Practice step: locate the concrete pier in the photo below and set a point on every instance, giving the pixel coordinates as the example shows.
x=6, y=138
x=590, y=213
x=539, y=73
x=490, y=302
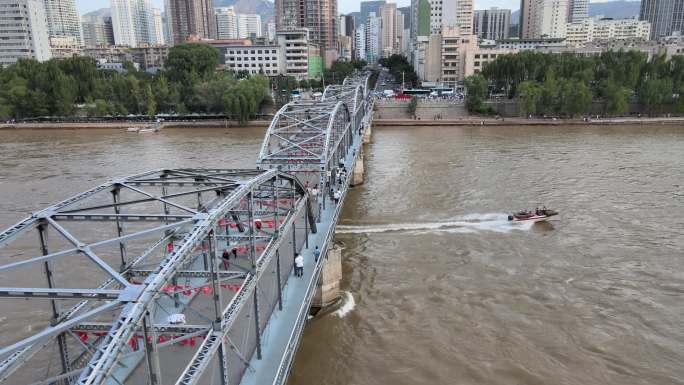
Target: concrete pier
x=328, y=288
x=358, y=171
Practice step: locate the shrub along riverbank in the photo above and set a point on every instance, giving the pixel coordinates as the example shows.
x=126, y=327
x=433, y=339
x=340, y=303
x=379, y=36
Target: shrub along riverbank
x=567, y=84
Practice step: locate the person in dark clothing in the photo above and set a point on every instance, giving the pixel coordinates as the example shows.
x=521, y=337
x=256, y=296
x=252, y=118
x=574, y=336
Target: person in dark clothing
x=226, y=258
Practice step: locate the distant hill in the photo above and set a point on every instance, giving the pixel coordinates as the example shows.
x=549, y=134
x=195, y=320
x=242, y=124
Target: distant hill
x=265, y=8
x=102, y=12
x=615, y=9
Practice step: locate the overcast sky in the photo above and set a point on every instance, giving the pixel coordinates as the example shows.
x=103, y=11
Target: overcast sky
x=345, y=6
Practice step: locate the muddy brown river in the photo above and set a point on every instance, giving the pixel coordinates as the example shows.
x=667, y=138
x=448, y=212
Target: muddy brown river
x=439, y=287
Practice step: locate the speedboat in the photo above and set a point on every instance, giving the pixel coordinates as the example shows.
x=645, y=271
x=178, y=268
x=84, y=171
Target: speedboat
x=532, y=216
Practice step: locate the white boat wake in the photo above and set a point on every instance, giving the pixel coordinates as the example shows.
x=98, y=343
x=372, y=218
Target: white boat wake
x=347, y=306
x=470, y=223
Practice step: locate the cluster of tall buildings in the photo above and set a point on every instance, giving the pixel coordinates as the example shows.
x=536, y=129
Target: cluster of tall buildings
x=43, y=29
x=445, y=40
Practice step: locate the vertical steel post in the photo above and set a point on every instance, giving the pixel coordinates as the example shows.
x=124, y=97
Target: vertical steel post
x=151, y=353
x=306, y=228
x=280, y=287
x=214, y=269
x=218, y=303
x=276, y=236
x=252, y=254
x=119, y=226
x=61, y=338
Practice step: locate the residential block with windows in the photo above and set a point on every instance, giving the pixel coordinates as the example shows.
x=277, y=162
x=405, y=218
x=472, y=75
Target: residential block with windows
x=256, y=59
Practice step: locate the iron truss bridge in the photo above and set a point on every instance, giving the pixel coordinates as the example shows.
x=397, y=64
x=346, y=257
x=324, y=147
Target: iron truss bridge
x=182, y=276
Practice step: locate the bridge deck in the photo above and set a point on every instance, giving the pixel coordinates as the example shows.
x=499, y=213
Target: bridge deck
x=282, y=329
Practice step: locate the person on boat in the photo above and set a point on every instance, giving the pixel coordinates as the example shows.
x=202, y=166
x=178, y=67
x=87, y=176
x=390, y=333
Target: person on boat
x=536, y=211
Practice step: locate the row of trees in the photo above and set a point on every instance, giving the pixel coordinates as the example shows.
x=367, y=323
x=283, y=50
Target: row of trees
x=189, y=83
x=568, y=84
x=401, y=70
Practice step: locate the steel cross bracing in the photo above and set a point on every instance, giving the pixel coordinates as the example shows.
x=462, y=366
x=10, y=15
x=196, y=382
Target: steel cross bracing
x=156, y=240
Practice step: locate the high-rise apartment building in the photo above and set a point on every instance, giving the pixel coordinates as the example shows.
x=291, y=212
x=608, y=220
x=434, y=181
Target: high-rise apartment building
x=372, y=37
x=97, y=31
x=226, y=23
x=430, y=16
x=578, y=10
x=400, y=42
x=248, y=25
x=186, y=18
x=492, y=24
x=23, y=31
x=527, y=19
x=63, y=19
x=133, y=22
x=665, y=16
x=360, y=43
x=551, y=18
x=543, y=18
x=388, y=29
x=318, y=16
x=158, y=26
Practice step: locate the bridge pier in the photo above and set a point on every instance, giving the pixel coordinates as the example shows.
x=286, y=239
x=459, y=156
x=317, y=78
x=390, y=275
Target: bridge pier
x=328, y=288
x=358, y=171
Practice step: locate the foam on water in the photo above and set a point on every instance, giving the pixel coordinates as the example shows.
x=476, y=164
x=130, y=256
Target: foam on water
x=470, y=223
x=347, y=306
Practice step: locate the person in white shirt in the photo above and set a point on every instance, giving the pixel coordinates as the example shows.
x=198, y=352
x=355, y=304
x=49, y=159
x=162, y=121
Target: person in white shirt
x=299, y=265
x=336, y=196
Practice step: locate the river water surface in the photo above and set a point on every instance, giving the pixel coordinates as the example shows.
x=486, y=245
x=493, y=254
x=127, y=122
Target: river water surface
x=440, y=288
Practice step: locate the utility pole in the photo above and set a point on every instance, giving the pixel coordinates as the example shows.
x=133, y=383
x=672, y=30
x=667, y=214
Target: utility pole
x=402, y=81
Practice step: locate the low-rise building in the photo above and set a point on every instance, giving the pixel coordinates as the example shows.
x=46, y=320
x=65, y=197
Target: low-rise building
x=64, y=47
x=256, y=59
x=523, y=44
x=149, y=58
x=302, y=58
x=478, y=58
x=588, y=30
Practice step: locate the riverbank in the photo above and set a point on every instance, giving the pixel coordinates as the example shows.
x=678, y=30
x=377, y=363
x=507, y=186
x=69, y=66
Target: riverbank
x=125, y=125
x=481, y=121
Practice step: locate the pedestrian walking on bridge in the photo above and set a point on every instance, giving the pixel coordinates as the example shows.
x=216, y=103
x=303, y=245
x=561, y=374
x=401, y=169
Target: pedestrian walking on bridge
x=299, y=265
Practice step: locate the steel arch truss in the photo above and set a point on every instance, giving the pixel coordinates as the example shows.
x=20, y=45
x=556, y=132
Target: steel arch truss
x=178, y=255
x=305, y=136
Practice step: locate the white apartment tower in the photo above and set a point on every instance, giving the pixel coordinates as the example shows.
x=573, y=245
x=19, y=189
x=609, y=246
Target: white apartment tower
x=578, y=10
x=158, y=26
x=360, y=42
x=451, y=13
x=23, y=31
x=372, y=38
x=63, y=19
x=133, y=22
x=226, y=23
x=551, y=17
x=248, y=25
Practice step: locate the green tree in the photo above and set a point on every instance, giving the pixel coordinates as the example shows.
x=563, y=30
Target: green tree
x=654, y=93
x=575, y=97
x=476, y=88
x=615, y=98
x=187, y=62
x=529, y=97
